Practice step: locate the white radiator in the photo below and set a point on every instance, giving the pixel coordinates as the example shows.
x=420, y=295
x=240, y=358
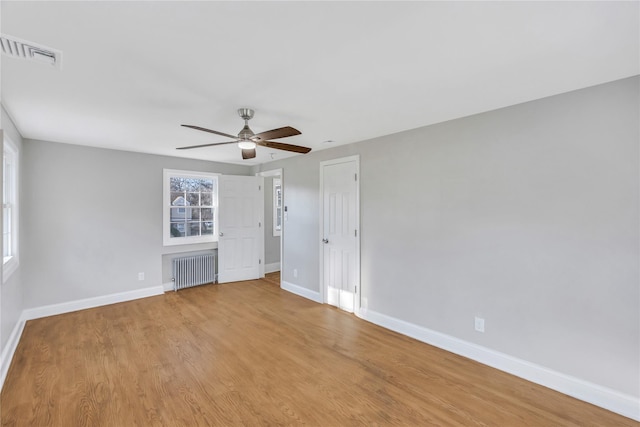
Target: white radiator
x=193, y=271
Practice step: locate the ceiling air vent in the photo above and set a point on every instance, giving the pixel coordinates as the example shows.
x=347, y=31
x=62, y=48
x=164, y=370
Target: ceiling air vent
x=16, y=48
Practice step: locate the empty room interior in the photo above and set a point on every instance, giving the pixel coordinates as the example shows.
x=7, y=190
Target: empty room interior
x=320, y=213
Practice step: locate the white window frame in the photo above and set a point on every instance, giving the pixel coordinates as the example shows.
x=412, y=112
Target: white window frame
x=277, y=182
x=167, y=240
x=11, y=261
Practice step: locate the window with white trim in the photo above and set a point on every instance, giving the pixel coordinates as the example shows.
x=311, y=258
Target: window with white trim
x=9, y=209
x=277, y=207
x=190, y=207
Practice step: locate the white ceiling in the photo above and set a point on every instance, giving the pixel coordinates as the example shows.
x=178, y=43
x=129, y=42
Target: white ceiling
x=132, y=72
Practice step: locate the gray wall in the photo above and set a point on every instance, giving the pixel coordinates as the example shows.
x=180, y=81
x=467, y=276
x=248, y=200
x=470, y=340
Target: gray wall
x=95, y=220
x=11, y=297
x=526, y=216
x=271, y=243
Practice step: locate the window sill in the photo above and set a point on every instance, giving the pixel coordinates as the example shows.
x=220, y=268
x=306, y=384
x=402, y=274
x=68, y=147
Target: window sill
x=9, y=266
x=189, y=241
x=178, y=249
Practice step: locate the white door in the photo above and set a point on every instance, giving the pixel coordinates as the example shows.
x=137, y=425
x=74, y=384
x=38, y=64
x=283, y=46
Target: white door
x=340, y=242
x=240, y=201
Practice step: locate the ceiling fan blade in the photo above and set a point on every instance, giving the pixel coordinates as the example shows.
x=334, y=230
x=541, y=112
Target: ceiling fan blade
x=276, y=133
x=248, y=153
x=283, y=146
x=206, y=145
x=210, y=131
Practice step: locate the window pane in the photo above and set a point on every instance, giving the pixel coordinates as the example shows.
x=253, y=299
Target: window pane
x=6, y=219
x=207, y=228
x=9, y=232
x=6, y=197
x=177, y=229
x=192, y=184
x=206, y=185
x=207, y=214
x=278, y=219
x=177, y=198
x=179, y=214
x=278, y=193
x=177, y=184
x=195, y=214
x=193, y=199
x=7, y=249
x=206, y=199
x=277, y=206
x=7, y=246
x=193, y=228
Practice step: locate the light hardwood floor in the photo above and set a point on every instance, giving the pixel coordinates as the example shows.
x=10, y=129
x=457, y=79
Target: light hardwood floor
x=251, y=354
x=273, y=278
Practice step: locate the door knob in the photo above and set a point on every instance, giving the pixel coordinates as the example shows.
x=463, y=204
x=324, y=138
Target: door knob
x=325, y=241
x=221, y=234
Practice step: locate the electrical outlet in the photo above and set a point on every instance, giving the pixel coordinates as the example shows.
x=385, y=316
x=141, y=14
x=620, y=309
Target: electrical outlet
x=295, y=272
x=479, y=324
x=140, y=276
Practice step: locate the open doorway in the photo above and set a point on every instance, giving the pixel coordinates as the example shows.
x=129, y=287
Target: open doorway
x=273, y=224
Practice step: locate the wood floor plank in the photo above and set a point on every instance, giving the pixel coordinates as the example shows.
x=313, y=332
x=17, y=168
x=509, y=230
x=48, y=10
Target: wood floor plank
x=249, y=353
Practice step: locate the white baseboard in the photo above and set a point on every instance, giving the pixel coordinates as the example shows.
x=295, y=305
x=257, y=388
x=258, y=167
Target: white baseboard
x=299, y=290
x=9, y=350
x=168, y=287
x=620, y=403
x=272, y=268
x=82, y=304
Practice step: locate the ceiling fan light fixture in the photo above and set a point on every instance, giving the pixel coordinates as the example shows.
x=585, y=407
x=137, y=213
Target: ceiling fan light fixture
x=247, y=140
x=247, y=145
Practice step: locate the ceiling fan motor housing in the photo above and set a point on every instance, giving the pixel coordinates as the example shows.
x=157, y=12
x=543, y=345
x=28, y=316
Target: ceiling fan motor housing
x=246, y=133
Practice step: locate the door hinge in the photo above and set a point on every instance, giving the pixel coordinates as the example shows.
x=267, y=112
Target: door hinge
x=259, y=224
x=356, y=289
x=259, y=261
x=356, y=176
x=355, y=233
x=259, y=187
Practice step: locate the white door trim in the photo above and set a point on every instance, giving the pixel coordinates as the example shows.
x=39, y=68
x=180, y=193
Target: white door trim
x=323, y=290
x=272, y=173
